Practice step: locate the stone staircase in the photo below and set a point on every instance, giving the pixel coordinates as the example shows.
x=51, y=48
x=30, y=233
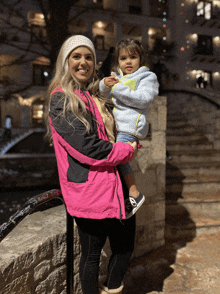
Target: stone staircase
x=192, y=182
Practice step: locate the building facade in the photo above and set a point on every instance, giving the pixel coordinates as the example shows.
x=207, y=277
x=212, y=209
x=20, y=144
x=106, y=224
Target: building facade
x=182, y=37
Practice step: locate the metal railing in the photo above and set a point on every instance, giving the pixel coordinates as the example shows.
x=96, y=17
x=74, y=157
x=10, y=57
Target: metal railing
x=27, y=209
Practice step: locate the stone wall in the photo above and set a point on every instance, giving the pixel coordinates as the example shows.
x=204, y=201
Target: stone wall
x=33, y=255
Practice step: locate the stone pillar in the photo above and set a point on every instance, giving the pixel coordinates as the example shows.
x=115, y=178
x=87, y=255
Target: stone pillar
x=146, y=7
x=89, y=24
x=118, y=31
x=25, y=121
x=149, y=168
x=145, y=35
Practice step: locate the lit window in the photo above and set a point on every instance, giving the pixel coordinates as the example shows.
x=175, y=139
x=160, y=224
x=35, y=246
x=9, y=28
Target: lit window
x=204, y=9
x=37, y=25
x=135, y=9
x=99, y=42
x=41, y=71
x=203, y=78
x=38, y=111
x=97, y=2
x=9, y=69
x=36, y=18
x=38, y=34
x=41, y=75
x=204, y=45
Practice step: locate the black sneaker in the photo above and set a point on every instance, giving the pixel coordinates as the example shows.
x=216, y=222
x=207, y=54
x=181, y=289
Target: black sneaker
x=132, y=204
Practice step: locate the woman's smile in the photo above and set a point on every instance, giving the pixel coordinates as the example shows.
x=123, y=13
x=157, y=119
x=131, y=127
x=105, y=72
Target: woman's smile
x=81, y=64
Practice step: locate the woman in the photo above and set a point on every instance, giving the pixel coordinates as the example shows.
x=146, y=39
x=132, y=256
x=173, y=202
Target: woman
x=87, y=165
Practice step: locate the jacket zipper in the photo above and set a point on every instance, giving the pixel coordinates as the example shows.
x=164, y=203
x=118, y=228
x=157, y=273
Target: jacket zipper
x=120, y=218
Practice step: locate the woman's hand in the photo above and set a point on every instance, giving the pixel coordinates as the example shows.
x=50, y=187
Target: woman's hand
x=135, y=146
x=110, y=81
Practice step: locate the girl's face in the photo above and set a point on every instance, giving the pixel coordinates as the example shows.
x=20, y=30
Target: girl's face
x=81, y=64
x=128, y=61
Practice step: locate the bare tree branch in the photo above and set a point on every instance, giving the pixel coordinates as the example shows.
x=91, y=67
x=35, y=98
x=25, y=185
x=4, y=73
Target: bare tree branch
x=17, y=34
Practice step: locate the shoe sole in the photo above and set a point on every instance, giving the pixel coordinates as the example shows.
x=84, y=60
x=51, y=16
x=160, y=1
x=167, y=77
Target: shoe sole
x=136, y=208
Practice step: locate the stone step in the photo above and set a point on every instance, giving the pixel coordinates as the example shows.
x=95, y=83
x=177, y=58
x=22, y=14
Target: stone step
x=196, y=212
x=197, y=203
x=189, y=168
x=177, y=123
x=181, y=131
x=183, y=170
x=176, y=117
x=186, y=139
x=190, y=180
x=192, y=157
x=191, y=228
x=193, y=184
x=201, y=144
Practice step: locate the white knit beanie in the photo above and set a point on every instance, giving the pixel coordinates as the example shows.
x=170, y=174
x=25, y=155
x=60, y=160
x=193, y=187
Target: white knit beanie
x=77, y=41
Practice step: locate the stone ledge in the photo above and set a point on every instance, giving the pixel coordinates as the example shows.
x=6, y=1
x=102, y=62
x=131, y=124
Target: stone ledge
x=37, y=248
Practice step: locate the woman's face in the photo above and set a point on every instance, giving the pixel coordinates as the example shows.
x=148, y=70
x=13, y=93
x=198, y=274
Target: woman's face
x=81, y=64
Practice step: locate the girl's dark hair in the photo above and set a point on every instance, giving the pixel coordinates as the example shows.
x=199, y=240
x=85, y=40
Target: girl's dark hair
x=131, y=45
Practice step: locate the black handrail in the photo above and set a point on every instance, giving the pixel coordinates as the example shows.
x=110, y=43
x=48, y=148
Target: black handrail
x=27, y=209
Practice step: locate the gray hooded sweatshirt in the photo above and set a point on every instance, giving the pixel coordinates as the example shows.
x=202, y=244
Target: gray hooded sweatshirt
x=132, y=97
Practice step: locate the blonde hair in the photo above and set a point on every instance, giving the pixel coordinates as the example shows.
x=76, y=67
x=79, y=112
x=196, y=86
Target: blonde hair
x=69, y=84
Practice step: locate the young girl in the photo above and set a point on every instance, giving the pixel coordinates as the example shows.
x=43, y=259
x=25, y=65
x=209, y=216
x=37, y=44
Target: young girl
x=132, y=88
x=91, y=186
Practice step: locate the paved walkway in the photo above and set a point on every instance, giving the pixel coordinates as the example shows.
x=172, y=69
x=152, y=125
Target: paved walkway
x=178, y=268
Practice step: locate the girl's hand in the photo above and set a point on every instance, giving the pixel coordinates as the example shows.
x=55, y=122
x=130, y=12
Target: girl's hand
x=110, y=81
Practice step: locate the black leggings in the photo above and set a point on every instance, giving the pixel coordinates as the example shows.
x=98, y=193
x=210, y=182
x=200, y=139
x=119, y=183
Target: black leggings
x=93, y=235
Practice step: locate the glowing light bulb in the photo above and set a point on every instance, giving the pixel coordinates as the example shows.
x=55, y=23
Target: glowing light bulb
x=100, y=24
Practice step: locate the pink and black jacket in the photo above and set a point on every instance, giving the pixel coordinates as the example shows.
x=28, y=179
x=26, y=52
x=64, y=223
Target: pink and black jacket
x=87, y=162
